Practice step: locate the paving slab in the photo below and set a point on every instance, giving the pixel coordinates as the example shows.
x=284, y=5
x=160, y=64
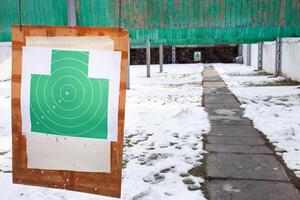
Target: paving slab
x=224, y=112
x=220, y=99
x=251, y=190
x=235, y=140
x=215, y=91
x=210, y=72
x=220, y=105
x=229, y=119
x=218, y=84
x=229, y=148
x=234, y=130
x=212, y=79
x=234, y=117
x=244, y=166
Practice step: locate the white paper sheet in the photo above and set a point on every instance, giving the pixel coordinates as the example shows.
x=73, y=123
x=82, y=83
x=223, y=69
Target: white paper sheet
x=102, y=64
x=75, y=154
x=111, y=72
x=80, y=42
x=69, y=153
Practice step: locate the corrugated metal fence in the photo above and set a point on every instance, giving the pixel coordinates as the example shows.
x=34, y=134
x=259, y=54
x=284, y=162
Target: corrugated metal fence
x=35, y=12
x=168, y=21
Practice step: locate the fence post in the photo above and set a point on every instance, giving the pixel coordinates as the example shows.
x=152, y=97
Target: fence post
x=148, y=56
x=240, y=50
x=72, y=20
x=161, y=58
x=260, y=55
x=173, y=54
x=278, y=56
x=248, y=63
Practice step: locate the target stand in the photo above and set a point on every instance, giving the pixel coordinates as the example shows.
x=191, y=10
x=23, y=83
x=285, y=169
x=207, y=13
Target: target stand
x=71, y=97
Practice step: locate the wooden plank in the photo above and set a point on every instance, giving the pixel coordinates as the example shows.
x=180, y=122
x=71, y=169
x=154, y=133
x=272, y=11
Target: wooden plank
x=108, y=184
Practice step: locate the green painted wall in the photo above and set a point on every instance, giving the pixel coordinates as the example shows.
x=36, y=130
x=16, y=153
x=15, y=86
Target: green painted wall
x=190, y=21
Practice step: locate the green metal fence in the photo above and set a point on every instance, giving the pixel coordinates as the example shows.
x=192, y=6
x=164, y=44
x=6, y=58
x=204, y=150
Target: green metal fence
x=197, y=21
x=35, y=12
x=170, y=21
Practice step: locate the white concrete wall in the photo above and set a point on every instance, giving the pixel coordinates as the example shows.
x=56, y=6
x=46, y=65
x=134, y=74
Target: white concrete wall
x=254, y=55
x=5, y=60
x=269, y=55
x=291, y=58
x=290, y=67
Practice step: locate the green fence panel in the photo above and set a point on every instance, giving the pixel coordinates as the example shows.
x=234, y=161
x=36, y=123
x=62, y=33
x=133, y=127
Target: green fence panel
x=169, y=22
x=195, y=21
x=35, y=12
x=8, y=16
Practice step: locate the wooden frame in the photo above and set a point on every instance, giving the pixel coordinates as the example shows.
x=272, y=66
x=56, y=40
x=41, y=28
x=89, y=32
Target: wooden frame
x=108, y=184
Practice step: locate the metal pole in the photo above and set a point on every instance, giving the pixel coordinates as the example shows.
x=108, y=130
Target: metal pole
x=248, y=55
x=161, y=58
x=240, y=50
x=148, y=56
x=260, y=55
x=72, y=19
x=128, y=69
x=278, y=56
x=173, y=54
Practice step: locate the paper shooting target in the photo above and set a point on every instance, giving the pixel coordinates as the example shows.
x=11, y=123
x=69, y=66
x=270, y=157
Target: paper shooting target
x=68, y=102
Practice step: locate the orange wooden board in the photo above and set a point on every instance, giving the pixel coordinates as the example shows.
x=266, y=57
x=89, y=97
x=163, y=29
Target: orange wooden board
x=108, y=184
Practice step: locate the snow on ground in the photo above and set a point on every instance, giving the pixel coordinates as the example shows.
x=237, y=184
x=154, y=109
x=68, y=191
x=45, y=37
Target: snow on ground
x=236, y=75
x=163, y=139
x=275, y=110
x=5, y=128
x=5, y=60
x=163, y=133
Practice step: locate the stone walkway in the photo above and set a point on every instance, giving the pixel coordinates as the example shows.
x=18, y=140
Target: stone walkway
x=239, y=165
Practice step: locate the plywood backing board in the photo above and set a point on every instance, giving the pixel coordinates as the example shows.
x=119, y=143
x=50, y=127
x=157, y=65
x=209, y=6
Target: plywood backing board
x=108, y=184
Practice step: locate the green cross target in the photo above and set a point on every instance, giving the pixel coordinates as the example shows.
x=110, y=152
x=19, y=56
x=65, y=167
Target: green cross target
x=68, y=102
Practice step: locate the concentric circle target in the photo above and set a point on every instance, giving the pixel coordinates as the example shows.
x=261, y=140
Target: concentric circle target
x=68, y=102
